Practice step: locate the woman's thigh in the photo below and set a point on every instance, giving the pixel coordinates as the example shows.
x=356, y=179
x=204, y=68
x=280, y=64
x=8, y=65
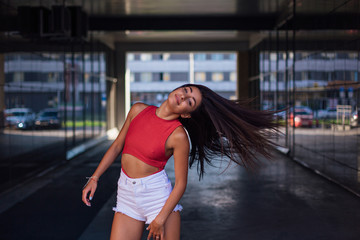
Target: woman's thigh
x=126, y=228
x=172, y=226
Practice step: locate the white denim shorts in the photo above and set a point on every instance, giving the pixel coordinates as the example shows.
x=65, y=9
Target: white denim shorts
x=143, y=198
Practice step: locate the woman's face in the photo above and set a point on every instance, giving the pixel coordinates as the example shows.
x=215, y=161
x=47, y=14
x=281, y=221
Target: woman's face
x=185, y=100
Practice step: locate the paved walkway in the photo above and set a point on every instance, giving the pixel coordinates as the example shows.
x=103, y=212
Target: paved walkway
x=282, y=201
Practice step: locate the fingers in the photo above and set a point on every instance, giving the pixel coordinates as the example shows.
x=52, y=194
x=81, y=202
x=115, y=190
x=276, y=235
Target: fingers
x=88, y=188
x=92, y=193
x=84, y=199
x=155, y=235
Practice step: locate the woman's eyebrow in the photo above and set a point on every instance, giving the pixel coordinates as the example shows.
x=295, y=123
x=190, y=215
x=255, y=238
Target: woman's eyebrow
x=190, y=89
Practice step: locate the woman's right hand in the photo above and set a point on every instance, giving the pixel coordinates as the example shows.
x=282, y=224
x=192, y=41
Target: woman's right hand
x=90, y=187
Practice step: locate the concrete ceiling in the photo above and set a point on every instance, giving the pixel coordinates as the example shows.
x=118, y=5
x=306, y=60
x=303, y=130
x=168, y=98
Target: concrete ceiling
x=114, y=21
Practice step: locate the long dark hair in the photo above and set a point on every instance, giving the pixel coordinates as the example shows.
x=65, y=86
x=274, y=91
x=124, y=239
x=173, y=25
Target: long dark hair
x=223, y=127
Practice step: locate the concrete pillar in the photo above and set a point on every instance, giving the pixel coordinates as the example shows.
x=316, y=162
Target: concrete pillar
x=254, y=78
x=120, y=102
x=110, y=90
x=242, y=91
x=2, y=92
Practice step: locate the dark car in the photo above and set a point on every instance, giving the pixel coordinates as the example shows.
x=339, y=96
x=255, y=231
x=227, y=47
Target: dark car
x=48, y=118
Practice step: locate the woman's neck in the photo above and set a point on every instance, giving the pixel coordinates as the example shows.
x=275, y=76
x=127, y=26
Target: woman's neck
x=165, y=112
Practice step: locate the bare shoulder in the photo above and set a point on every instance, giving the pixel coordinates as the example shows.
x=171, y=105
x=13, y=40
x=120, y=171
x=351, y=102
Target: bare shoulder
x=179, y=136
x=136, y=109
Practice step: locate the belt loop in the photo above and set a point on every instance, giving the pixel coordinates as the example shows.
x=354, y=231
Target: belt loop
x=143, y=184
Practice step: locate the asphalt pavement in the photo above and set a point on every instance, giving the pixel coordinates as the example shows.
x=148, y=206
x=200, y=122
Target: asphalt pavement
x=282, y=201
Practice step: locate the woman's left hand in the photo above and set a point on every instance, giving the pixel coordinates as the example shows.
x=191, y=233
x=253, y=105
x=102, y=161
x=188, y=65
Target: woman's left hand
x=156, y=231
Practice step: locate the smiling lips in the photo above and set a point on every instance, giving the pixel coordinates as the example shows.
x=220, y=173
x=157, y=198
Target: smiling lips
x=177, y=99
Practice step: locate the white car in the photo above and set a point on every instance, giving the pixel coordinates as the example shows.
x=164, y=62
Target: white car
x=21, y=118
x=329, y=113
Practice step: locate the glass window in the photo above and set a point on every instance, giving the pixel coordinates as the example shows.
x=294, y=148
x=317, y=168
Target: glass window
x=166, y=77
x=166, y=56
x=130, y=57
x=273, y=56
x=132, y=77
x=18, y=76
x=232, y=56
x=217, y=77
x=145, y=77
x=145, y=57
x=217, y=56
x=233, y=76
x=200, y=56
x=200, y=77
x=353, y=55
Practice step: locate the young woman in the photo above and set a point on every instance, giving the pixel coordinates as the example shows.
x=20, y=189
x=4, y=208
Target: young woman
x=150, y=135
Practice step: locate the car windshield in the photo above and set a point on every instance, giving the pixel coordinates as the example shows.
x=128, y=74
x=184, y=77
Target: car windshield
x=301, y=113
x=49, y=114
x=18, y=114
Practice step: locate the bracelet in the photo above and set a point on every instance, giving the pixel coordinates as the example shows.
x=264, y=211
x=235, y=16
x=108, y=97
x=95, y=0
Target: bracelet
x=94, y=178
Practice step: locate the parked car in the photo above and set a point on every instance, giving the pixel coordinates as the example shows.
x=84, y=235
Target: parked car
x=48, y=118
x=329, y=113
x=303, y=117
x=280, y=115
x=20, y=118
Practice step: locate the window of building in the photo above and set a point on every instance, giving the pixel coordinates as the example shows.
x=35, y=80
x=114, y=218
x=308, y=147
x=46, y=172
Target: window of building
x=18, y=76
x=165, y=77
x=200, y=56
x=179, y=76
x=179, y=56
x=130, y=57
x=273, y=76
x=330, y=55
x=166, y=56
x=145, y=77
x=200, y=77
x=132, y=77
x=273, y=56
x=145, y=57
x=353, y=55
x=217, y=56
x=341, y=55
x=53, y=77
x=233, y=76
x=232, y=56
x=217, y=76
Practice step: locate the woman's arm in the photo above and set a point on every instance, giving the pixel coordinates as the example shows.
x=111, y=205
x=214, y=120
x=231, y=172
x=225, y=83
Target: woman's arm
x=111, y=154
x=179, y=142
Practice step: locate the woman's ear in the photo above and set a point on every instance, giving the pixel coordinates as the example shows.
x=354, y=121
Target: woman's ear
x=186, y=115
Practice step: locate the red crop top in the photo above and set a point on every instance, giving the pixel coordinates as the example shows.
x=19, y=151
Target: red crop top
x=147, y=135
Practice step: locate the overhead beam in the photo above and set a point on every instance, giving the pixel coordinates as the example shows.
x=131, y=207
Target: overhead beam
x=183, y=46
x=333, y=21
x=312, y=45
x=340, y=21
x=122, y=23
x=217, y=22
